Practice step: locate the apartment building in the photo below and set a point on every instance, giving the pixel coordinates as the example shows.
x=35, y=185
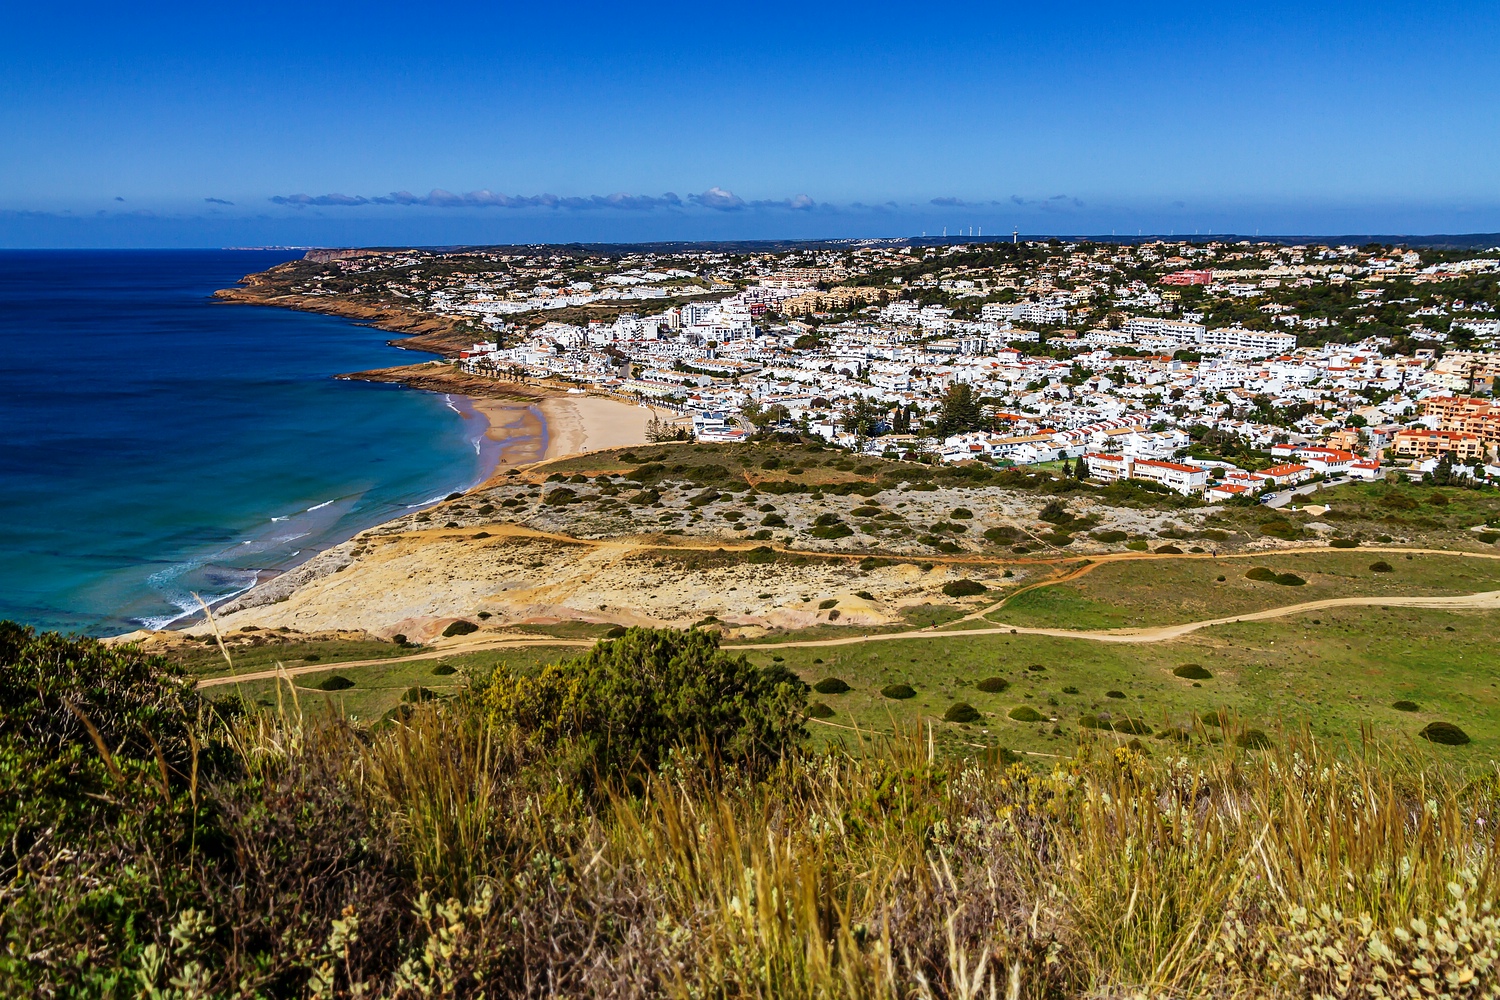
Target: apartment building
x=1420, y=444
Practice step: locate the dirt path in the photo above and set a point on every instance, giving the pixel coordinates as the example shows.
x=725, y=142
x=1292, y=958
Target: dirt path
x=1485, y=601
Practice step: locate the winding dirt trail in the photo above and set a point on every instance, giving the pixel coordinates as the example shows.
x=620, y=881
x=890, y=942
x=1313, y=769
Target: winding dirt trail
x=1484, y=601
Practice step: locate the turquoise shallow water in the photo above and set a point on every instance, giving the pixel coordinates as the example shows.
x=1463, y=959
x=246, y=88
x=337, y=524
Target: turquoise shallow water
x=157, y=443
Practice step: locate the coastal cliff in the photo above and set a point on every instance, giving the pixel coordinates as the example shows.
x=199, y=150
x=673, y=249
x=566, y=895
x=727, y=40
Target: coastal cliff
x=419, y=330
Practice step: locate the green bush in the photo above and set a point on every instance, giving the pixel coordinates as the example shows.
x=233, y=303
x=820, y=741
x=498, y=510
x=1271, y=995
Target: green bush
x=830, y=602
x=898, y=691
x=1025, y=713
x=1382, y=567
x=1110, y=537
x=1130, y=727
x=773, y=521
x=1261, y=574
x=1289, y=580
x=1489, y=537
x=1253, y=739
x=444, y=670
x=818, y=710
x=1169, y=550
x=560, y=496
x=961, y=513
x=760, y=555
x=830, y=531
x=1088, y=720
x=1070, y=689
x=961, y=711
x=1137, y=545
x=1114, y=694
x=615, y=632
x=335, y=682
x=1213, y=719
x=993, y=685
x=1002, y=535
x=628, y=701
x=459, y=627
x=831, y=685
x=1344, y=543
x=1444, y=733
x=417, y=694
x=1405, y=706
x=963, y=588
x=1193, y=672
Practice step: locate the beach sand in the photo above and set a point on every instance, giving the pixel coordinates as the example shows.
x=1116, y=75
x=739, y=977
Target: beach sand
x=576, y=424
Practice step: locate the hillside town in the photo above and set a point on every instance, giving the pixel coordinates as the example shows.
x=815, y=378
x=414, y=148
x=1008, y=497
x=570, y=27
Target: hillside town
x=1214, y=368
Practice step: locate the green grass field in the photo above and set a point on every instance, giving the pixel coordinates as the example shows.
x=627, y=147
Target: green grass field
x=1334, y=671
x=1132, y=593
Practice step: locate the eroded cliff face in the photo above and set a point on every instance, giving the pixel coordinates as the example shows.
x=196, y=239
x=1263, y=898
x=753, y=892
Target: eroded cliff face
x=421, y=331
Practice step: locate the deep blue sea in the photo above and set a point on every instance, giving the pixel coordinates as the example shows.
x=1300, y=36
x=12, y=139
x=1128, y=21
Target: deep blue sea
x=155, y=443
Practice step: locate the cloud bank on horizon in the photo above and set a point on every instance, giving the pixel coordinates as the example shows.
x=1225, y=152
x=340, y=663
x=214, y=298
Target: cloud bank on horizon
x=714, y=198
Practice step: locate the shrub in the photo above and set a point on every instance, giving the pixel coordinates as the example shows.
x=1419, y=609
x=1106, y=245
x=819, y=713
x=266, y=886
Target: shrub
x=963, y=588
x=444, y=670
x=1444, y=733
x=335, y=682
x=1137, y=545
x=898, y=691
x=1261, y=574
x=1059, y=538
x=1110, y=537
x=615, y=632
x=864, y=595
x=628, y=701
x=825, y=605
x=1089, y=720
x=1070, y=689
x=1382, y=567
x=961, y=711
x=773, y=521
x=459, y=627
x=961, y=513
x=1002, y=535
x=1035, y=668
x=560, y=496
x=1489, y=537
x=1025, y=713
x=830, y=685
x=1405, y=706
x=1130, y=727
x=830, y=531
x=1114, y=694
x=818, y=710
x=833, y=615
x=1213, y=719
x=760, y=555
x=1289, y=580
x=1343, y=543
x=1169, y=550
x=417, y=694
x=399, y=639
x=993, y=685
x=1193, y=672
x=1253, y=739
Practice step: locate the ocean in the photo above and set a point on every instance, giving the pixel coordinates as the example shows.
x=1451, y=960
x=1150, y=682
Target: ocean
x=157, y=443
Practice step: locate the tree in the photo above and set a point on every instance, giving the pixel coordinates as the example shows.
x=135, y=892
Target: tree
x=628, y=702
x=960, y=411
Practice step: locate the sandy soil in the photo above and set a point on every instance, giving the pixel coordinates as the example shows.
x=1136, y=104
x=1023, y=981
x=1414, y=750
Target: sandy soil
x=416, y=583
x=577, y=424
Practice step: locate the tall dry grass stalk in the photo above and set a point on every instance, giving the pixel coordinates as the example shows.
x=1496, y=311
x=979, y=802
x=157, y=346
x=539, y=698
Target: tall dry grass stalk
x=1300, y=870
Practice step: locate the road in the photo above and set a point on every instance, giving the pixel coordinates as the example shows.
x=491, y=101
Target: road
x=1484, y=601
x=1284, y=497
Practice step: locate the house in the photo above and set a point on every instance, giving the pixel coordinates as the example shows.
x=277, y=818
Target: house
x=1284, y=475
x=1184, y=479
x=1367, y=469
x=1422, y=444
x=1226, y=491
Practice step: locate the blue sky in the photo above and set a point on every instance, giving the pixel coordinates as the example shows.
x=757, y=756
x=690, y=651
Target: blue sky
x=162, y=124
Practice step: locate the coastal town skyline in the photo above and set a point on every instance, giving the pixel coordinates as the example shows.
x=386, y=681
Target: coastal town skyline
x=166, y=127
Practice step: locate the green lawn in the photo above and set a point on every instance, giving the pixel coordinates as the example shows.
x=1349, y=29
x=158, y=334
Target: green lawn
x=1169, y=591
x=1333, y=671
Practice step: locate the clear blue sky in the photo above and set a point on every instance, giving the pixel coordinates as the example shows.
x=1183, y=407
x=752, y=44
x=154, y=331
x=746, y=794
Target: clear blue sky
x=336, y=123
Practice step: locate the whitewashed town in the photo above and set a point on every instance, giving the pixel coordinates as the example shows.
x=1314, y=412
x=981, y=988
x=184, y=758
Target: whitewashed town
x=1224, y=369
